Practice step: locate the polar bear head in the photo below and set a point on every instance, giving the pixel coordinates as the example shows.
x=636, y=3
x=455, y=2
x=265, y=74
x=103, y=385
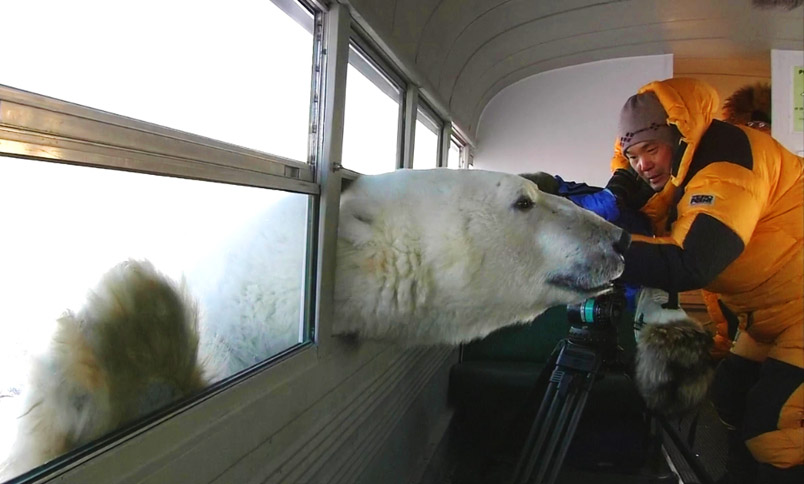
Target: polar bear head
x=446, y=256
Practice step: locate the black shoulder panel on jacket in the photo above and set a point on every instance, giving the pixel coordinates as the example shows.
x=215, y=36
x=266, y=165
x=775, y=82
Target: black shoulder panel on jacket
x=721, y=142
x=709, y=247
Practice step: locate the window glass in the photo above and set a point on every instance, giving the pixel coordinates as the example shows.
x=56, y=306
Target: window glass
x=454, y=154
x=242, y=252
x=371, y=118
x=208, y=68
x=425, y=150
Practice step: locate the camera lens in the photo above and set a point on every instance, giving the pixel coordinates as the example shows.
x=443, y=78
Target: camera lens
x=600, y=310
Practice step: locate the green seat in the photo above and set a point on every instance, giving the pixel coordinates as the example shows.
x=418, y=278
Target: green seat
x=501, y=370
x=534, y=341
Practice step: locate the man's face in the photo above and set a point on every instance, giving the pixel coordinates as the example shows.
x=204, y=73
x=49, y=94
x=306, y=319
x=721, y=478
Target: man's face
x=652, y=160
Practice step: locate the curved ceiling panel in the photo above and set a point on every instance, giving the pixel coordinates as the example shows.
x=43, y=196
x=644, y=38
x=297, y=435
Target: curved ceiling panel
x=446, y=24
x=469, y=50
x=496, y=26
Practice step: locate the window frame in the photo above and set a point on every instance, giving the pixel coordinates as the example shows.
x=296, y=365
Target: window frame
x=292, y=8
x=465, y=147
x=375, y=67
x=40, y=128
x=47, y=129
x=430, y=118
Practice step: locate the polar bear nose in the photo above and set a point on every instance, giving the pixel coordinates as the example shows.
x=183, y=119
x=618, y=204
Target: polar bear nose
x=623, y=242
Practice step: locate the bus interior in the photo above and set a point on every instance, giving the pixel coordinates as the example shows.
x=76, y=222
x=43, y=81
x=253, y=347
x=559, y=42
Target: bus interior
x=158, y=129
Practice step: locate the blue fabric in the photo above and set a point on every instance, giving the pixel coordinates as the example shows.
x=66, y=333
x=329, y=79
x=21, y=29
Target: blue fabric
x=598, y=200
x=631, y=293
x=602, y=202
x=570, y=188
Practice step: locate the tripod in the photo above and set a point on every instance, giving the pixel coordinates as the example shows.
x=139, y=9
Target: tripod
x=577, y=360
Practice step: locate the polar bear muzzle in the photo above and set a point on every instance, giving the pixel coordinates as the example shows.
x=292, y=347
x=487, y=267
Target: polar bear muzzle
x=586, y=278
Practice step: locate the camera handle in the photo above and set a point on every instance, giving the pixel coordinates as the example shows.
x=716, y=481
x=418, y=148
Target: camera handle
x=576, y=368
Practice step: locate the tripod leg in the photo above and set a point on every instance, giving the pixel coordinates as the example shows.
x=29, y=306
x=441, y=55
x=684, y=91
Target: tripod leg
x=538, y=433
x=538, y=429
x=549, y=461
x=570, y=433
x=566, y=396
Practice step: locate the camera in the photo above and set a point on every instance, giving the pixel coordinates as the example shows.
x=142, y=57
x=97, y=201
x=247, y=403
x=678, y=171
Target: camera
x=592, y=321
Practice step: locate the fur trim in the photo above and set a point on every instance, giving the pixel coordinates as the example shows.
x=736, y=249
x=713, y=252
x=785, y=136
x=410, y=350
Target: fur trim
x=673, y=366
x=749, y=103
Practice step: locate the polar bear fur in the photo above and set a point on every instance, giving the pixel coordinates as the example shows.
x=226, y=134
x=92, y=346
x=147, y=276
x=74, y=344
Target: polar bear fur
x=423, y=257
x=250, y=295
x=446, y=256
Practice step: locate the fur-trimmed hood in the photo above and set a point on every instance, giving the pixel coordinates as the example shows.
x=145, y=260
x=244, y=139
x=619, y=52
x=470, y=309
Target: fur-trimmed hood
x=691, y=106
x=749, y=103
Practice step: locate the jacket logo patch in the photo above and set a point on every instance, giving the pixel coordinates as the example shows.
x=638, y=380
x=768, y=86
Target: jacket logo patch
x=702, y=200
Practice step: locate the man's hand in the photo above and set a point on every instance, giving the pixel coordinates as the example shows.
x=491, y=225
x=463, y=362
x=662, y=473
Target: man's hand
x=545, y=181
x=629, y=189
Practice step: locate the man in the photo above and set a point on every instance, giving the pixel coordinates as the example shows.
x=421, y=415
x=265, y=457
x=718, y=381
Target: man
x=726, y=207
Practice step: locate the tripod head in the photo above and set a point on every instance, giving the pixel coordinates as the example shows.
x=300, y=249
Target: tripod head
x=593, y=321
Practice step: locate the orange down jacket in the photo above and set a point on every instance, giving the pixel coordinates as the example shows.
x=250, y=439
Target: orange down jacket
x=744, y=180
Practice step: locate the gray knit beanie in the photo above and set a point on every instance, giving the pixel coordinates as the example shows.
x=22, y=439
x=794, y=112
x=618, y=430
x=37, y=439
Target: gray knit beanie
x=643, y=118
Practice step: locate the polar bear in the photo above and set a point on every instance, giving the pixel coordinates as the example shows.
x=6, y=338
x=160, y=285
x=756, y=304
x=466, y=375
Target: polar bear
x=423, y=258
x=443, y=256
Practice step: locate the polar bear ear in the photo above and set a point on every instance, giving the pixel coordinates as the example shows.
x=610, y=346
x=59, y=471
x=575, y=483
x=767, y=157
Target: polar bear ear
x=356, y=220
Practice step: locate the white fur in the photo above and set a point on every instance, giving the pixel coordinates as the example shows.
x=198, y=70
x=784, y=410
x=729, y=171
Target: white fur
x=251, y=295
x=443, y=256
x=423, y=257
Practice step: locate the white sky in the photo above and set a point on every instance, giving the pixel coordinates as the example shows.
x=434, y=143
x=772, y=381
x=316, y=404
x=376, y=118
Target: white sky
x=371, y=120
x=237, y=71
x=454, y=155
x=425, y=149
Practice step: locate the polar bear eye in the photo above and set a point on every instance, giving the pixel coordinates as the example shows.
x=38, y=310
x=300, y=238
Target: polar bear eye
x=523, y=203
